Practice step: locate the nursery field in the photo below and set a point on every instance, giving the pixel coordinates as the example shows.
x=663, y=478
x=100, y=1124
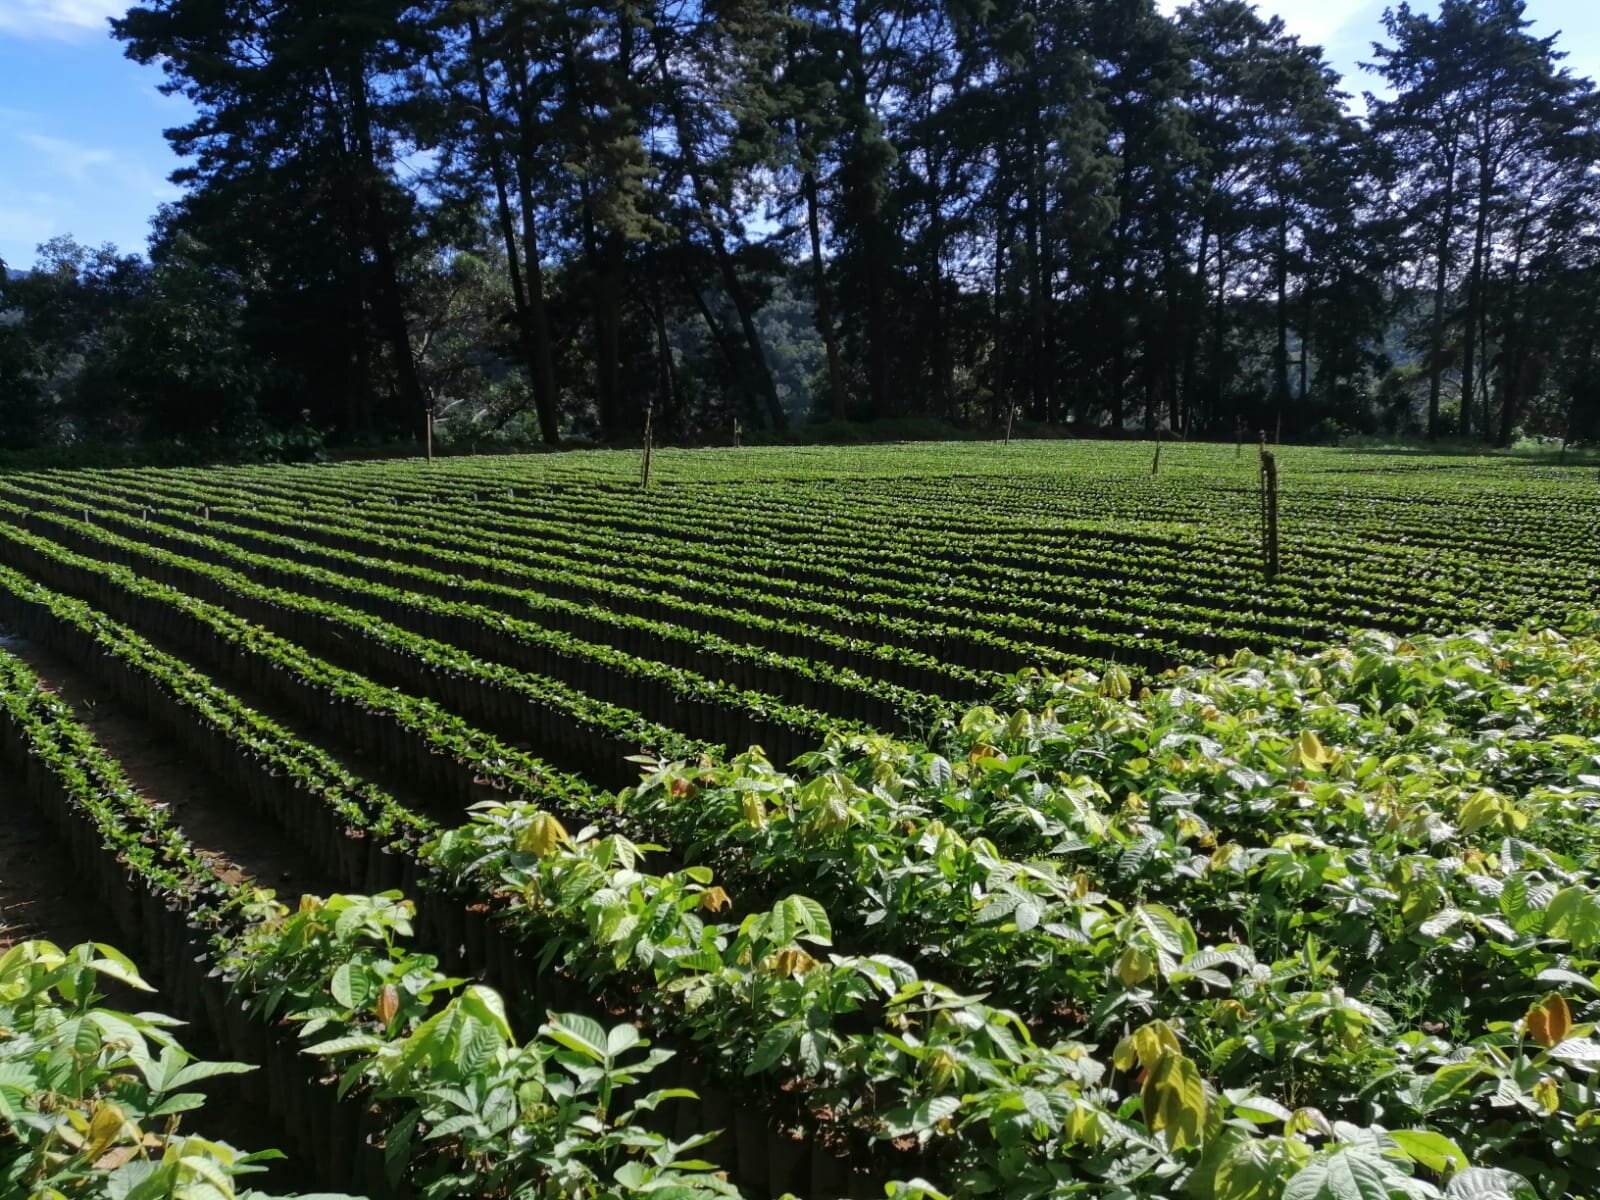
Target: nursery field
x=1080, y=857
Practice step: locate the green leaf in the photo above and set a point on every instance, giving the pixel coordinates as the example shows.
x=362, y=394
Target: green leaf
x=488, y=1006
x=1447, y=1081
x=1237, y=1166
x=923, y=1117
x=1489, y=1183
x=813, y=919
x=772, y=1047
x=578, y=1032
x=1432, y=1150
x=1037, y=1105
x=1558, y=975
x=1261, y=1110
x=1574, y=914
x=344, y=1045
x=1578, y=1051
x=621, y=1039
x=114, y=964
x=1340, y=1175
x=351, y=986
x=195, y=1072
x=1168, y=930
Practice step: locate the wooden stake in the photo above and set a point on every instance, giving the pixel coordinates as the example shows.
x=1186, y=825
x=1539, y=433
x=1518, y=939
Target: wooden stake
x=1011, y=413
x=429, y=432
x=1269, y=515
x=1238, y=437
x=1155, y=465
x=736, y=433
x=644, y=466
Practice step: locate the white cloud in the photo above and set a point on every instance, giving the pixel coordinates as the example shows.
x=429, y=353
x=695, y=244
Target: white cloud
x=57, y=18
x=68, y=158
x=25, y=221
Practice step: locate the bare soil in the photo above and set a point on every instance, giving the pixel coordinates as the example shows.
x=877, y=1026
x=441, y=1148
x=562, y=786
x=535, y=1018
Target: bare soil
x=240, y=844
x=39, y=898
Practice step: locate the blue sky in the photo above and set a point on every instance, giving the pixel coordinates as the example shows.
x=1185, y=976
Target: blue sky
x=81, y=150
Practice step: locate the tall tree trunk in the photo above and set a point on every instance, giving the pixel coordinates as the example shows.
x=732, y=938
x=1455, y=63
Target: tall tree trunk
x=1219, y=337
x=713, y=225
x=603, y=289
x=999, y=383
x=1512, y=354
x=1196, y=327
x=1483, y=343
x=745, y=307
x=719, y=335
x=1280, y=350
x=1038, y=369
x=874, y=248
x=533, y=332
x=604, y=316
x=1305, y=342
x=358, y=385
x=666, y=367
x=1174, y=334
x=1441, y=276
x=391, y=313
x=1474, y=304
x=837, y=409
x=1117, y=337
x=939, y=356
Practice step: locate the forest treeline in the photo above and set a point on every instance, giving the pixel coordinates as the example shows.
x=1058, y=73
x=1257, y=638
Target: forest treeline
x=547, y=220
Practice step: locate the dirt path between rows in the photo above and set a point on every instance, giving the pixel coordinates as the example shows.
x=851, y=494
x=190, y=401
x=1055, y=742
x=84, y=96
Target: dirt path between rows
x=240, y=844
x=39, y=898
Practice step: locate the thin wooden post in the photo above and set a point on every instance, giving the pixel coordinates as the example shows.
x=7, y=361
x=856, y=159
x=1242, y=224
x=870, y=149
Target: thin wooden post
x=736, y=442
x=1011, y=412
x=649, y=434
x=1155, y=463
x=428, y=428
x=1269, y=514
x=1238, y=437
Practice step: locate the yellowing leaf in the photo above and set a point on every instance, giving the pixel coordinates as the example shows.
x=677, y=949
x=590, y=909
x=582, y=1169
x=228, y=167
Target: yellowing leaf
x=1549, y=1021
x=104, y=1128
x=388, y=1003
x=1547, y=1094
x=1116, y=684
x=942, y=1067
x=790, y=962
x=1310, y=753
x=755, y=813
x=714, y=900
x=543, y=836
x=1134, y=966
x=1174, y=1101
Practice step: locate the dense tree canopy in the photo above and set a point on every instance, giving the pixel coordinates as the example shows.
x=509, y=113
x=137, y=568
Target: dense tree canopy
x=552, y=220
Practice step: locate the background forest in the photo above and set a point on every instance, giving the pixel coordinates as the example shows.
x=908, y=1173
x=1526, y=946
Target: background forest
x=543, y=219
